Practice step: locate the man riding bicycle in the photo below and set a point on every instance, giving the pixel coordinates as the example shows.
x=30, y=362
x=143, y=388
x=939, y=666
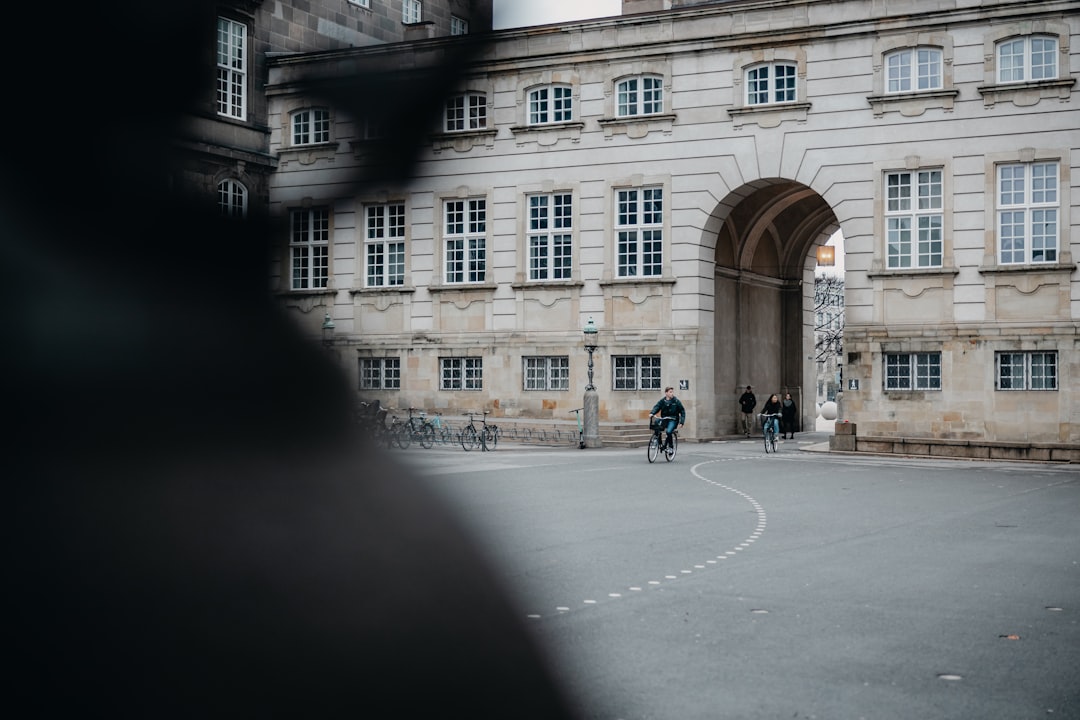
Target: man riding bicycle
x=671, y=409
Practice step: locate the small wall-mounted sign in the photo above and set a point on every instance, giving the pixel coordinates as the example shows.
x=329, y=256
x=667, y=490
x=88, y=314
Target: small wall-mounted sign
x=853, y=384
x=684, y=384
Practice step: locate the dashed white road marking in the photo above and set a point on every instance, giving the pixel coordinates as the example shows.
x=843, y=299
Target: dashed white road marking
x=759, y=530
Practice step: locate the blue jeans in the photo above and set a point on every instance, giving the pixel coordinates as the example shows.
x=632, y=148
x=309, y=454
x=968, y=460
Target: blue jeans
x=774, y=422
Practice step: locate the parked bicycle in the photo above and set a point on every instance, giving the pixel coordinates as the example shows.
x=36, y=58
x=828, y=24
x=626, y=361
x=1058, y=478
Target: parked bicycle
x=580, y=428
x=371, y=417
x=482, y=436
x=419, y=429
x=770, y=427
x=444, y=435
x=657, y=441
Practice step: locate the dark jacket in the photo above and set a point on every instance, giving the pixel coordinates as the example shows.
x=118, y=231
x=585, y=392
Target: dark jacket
x=790, y=414
x=771, y=408
x=748, y=401
x=670, y=408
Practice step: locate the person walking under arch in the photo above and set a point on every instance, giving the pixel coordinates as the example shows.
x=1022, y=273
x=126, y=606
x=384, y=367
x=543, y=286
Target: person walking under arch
x=671, y=409
x=789, y=416
x=747, y=403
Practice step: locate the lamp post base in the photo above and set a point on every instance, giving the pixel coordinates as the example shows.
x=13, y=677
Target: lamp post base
x=591, y=419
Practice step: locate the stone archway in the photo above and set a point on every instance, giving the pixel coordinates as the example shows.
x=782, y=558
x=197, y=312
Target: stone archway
x=767, y=232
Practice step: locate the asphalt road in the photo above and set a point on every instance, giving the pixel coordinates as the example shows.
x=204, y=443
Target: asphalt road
x=734, y=584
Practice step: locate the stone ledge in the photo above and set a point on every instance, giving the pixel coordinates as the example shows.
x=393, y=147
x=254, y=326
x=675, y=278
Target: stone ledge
x=962, y=449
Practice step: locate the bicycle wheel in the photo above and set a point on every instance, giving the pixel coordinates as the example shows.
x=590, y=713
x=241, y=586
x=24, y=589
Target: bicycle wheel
x=426, y=436
x=491, y=436
x=772, y=439
x=669, y=453
x=469, y=438
x=654, y=447
x=403, y=436
x=770, y=442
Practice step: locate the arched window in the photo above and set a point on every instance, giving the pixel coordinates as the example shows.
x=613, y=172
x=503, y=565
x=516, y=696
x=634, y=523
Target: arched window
x=641, y=95
x=771, y=83
x=1027, y=59
x=913, y=69
x=232, y=199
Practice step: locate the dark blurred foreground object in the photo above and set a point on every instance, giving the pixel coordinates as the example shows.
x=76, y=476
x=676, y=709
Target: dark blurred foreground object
x=190, y=529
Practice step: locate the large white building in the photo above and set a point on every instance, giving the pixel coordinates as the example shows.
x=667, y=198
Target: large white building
x=670, y=174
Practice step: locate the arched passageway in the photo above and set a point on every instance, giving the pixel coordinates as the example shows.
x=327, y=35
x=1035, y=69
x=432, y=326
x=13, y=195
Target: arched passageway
x=767, y=233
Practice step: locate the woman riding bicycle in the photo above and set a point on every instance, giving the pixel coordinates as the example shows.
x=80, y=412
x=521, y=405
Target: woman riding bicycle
x=671, y=409
x=773, y=408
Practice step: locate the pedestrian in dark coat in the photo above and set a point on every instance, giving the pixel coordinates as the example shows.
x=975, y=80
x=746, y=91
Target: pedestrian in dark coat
x=789, y=416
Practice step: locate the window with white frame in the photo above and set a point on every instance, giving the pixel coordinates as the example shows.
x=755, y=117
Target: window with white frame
x=380, y=373
x=465, y=241
x=232, y=198
x=771, y=83
x=551, y=104
x=231, y=69
x=550, y=239
x=458, y=26
x=466, y=112
x=1027, y=59
x=913, y=371
x=1027, y=213
x=912, y=69
x=310, y=127
x=384, y=245
x=642, y=95
x=309, y=248
x=1026, y=370
x=639, y=232
x=459, y=373
x=361, y=3
x=546, y=373
x=411, y=11
x=635, y=372
x=913, y=218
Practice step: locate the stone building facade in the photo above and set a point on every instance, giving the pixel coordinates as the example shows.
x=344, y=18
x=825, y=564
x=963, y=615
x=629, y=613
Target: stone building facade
x=223, y=143
x=670, y=174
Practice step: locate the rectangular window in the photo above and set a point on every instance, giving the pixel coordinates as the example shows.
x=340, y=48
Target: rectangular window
x=1027, y=213
x=639, y=232
x=309, y=247
x=466, y=112
x=550, y=239
x=310, y=127
x=1026, y=370
x=231, y=69
x=635, y=372
x=411, y=11
x=550, y=104
x=465, y=239
x=546, y=373
x=380, y=374
x=913, y=371
x=458, y=26
x=384, y=245
x=913, y=219
x=461, y=373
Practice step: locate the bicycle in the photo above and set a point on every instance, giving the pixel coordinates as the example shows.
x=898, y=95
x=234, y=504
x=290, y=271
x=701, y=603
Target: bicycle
x=769, y=422
x=443, y=433
x=580, y=428
x=656, y=442
x=471, y=437
x=398, y=433
x=420, y=429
